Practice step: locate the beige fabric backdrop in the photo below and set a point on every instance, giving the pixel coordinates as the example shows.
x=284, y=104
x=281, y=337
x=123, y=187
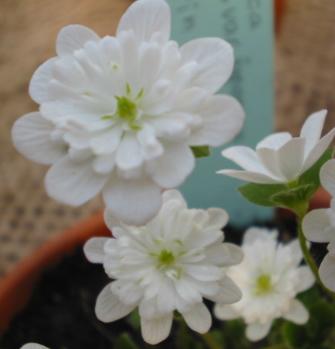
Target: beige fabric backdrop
x=305, y=72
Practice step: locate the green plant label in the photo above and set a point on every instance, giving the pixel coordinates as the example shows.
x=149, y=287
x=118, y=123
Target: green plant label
x=248, y=26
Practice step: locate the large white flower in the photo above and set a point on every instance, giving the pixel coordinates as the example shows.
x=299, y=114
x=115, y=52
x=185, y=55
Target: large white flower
x=319, y=226
x=270, y=278
x=170, y=264
x=33, y=346
x=281, y=158
x=119, y=114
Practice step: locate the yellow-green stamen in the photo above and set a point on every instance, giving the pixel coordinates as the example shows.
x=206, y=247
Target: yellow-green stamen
x=165, y=258
x=263, y=284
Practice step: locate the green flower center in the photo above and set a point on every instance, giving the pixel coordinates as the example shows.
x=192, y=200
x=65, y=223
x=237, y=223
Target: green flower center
x=127, y=109
x=165, y=258
x=263, y=285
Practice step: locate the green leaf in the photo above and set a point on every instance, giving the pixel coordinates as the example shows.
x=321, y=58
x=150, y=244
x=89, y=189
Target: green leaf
x=201, y=151
x=261, y=194
x=125, y=342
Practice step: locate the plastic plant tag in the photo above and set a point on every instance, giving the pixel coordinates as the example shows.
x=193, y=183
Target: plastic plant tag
x=248, y=27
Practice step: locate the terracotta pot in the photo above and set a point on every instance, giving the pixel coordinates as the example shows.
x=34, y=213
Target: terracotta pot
x=320, y=200
x=279, y=9
x=16, y=288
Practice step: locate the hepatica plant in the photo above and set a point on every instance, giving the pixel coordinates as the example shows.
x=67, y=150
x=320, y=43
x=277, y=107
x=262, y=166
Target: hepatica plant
x=127, y=115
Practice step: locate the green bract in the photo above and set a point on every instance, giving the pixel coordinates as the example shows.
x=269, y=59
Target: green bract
x=201, y=151
x=294, y=195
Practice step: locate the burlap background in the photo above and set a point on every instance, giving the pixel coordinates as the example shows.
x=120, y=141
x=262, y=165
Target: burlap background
x=305, y=80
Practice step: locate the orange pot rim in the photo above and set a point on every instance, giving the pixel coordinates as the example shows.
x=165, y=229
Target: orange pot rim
x=17, y=286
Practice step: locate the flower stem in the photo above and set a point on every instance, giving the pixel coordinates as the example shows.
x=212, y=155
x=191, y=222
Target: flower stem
x=307, y=256
x=309, y=259
x=207, y=338
x=210, y=341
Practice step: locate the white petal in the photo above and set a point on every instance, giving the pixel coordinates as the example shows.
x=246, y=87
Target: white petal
x=225, y=254
x=327, y=176
x=170, y=127
x=108, y=308
x=319, y=149
x=94, y=249
x=73, y=37
x=32, y=137
x=215, y=60
x=291, y=157
x=297, y=313
x=253, y=234
x=296, y=251
x=33, y=346
x=174, y=195
x=249, y=176
x=150, y=65
x=270, y=160
x=172, y=168
x=245, y=157
x=203, y=272
x=151, y=147
x=147, y=18
x=133, y=201
x=327, y=271
x=129, y=154
x=39, y=82
x=104, y=164
x=80, y=154
x=73, y=183
x=191, y=99
x=258, y=331
x=312, y=129
x=106, y=142
x=110, y=220
x=198, y=318
x=223, y=118
x=218, y=218
x=225, y=312
x=317, y=225
x=274, y=141
x=305, y=279
x=229, y=292
x=156, y=330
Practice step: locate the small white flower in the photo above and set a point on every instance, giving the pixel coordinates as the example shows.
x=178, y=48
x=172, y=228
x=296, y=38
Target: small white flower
x=270, y=278
x=33, y=346
x=169, y=265
x=281, y=158
x=319, y=226
x=119, y=114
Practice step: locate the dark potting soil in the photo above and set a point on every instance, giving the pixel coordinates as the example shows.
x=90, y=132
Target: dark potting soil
x=60, y=314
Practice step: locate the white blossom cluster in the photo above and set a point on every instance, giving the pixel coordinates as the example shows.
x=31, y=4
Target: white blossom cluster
x=123, y=115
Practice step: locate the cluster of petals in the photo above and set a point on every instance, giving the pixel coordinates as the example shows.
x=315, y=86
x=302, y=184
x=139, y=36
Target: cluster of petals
x=270, y=277
x=319, y=226
x=33, y=346
x=281, y=158
x=171, y=264
x=119, y=115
